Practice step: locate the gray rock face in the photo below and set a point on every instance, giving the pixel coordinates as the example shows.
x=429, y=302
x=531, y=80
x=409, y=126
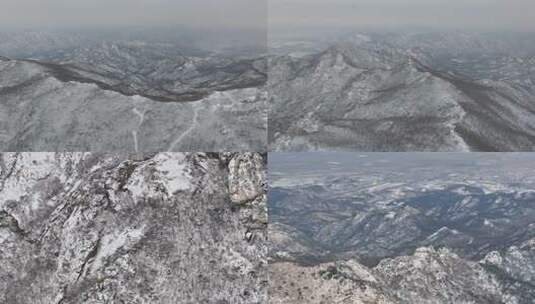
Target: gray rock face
x=247, y=189
x=404, y=93
x=136, y=228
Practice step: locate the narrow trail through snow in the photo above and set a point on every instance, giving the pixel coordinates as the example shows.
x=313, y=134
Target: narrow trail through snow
x=192, y=126
x=230, y=97
x=141, y=115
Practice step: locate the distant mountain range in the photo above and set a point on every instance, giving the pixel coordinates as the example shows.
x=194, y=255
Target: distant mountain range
x=343, y=240
x=393, y=220
x=156, y=71
x=406, y=92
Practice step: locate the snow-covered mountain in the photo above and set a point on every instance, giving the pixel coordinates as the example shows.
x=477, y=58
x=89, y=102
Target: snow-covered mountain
x=376, y=223
x=133, y=228
x=128, y=95
x=402, y=228
x=42, y=111
x=405, y=92
x=158, y=71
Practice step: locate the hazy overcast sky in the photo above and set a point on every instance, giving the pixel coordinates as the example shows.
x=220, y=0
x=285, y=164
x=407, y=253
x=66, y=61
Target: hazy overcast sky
x=477, y=14
x=108, y=13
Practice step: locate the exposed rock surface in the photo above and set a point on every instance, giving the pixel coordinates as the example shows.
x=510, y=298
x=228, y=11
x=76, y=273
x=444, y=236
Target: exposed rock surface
x=429, y=276
x=325, y=283
x=136, y=228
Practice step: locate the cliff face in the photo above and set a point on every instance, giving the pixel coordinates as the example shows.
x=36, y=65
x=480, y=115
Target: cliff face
x=137, y=228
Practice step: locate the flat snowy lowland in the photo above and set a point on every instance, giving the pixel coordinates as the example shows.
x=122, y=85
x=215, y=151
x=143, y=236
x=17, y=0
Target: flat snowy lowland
x=70, y=92
x=402, y=228
x=405, y=91
x=133, y=228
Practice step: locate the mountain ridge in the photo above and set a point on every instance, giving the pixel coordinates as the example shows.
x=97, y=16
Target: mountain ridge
x=428, y=275
x=119, y=122
x=356, y=95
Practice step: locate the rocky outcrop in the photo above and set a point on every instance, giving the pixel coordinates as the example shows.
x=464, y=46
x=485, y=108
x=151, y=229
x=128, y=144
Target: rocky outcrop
x=136, y=228
x=429, y=276
x=325, y=283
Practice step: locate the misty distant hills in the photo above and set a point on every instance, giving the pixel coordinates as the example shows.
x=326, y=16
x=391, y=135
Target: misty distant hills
x=405, y=92
x=391, y=220
x=50, y=44
x=160, y=70
x=157, y=72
